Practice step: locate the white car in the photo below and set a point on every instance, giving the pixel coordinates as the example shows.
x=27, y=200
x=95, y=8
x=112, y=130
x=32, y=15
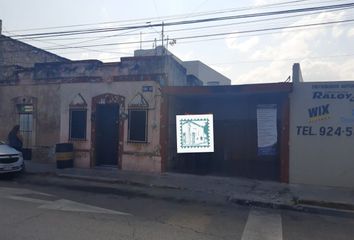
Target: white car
x=11, y=160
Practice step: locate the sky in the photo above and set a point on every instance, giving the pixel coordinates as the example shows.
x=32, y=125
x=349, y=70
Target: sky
x=236, y=48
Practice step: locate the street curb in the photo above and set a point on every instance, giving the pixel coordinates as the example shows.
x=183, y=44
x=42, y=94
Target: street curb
x=294, y=207
x=119, y=181
x=123, y=190
x=299, y=205
x=326, y=204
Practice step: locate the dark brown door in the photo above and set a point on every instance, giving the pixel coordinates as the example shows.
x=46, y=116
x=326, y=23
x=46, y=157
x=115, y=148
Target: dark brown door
x=107, y=134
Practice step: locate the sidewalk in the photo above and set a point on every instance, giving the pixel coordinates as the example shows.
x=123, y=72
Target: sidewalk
x=235, y=190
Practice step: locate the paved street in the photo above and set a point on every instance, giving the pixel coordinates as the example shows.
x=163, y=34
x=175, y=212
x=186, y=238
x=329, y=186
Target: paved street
x=50, y=212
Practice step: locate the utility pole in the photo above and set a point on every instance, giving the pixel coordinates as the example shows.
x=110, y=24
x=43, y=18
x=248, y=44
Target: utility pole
x=162, y=34
x=141, y=41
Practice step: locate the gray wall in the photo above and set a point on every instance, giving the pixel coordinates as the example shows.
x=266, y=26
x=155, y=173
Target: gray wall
x=322, y=146
x=205, y=73
x=13, y=52
x=195, y=68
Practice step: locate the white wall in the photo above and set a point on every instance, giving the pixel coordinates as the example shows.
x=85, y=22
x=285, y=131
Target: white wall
x=322, y=148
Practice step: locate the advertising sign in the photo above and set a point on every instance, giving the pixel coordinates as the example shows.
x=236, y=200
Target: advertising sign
x=330, y=112
x=195, y=133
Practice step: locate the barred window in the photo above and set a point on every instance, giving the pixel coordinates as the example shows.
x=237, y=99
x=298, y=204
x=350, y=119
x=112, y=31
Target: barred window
x=78, y=119
x=26, y=123
x=137, y=125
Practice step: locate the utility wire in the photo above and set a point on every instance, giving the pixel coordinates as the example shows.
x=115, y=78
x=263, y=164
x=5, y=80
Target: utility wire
x=269, y=60
x=194, y=28
x=185, y=22
x=262, y=30
x=178, y=16
x=220, y=34
x=265, y=29
x=283, y=60
x=242, y=36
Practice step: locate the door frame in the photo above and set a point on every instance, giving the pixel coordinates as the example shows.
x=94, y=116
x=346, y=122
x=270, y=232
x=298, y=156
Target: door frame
x=107, y=98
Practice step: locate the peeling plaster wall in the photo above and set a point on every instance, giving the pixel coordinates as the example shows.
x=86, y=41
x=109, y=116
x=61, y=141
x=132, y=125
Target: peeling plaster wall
x=173, y=73
x=136, y=156
x=58, y=71
x=52, y=120
x=56, y=84
x=46, y=116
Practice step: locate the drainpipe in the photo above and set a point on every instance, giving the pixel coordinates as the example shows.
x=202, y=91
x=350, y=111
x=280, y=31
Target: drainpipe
x=1, y=46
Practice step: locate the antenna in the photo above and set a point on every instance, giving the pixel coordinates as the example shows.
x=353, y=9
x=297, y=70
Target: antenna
x=172, y=42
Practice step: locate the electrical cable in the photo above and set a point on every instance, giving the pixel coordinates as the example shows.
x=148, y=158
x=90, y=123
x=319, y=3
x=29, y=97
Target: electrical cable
x=196, y=28
x=178, y=16
x=185, y=22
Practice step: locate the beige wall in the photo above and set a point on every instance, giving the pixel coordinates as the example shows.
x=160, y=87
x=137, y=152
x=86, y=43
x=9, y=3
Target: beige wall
x=322, y=148
x=136, y=156
x=52, y=120
x=46, y=111
x=46, y=116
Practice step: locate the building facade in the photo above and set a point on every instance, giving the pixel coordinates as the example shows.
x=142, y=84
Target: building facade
x=123, y=115
x=109, y=111
x=321, y=132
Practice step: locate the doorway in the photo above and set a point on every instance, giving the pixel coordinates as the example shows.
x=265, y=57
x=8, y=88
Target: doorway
x=107, y=134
